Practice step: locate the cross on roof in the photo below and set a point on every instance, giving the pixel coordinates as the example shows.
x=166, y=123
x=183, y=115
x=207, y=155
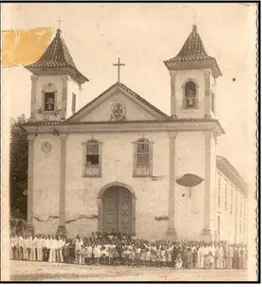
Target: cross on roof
x=59, y=22
x=118, y=64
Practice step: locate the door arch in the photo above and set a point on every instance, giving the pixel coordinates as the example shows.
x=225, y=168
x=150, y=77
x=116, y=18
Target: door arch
x=116, y=208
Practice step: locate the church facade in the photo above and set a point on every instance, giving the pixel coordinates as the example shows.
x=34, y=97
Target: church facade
x=121, y=164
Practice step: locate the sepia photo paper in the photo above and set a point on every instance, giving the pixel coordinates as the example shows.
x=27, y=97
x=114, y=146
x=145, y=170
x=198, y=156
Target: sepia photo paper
x=129, y=142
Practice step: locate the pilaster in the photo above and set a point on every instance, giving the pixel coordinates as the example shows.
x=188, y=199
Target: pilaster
x=62, y=229
x=34, y=79
x=207, y=73
x=65, y=80
x=30, y=185
x=173, y=93
x=171, y=198
x=206, y=233
x=100, y=220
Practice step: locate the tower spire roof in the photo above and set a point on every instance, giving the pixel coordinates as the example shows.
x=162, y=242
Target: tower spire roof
x=193, y=51
x=57, y=55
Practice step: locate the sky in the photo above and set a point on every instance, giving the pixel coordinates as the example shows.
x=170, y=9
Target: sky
x=143, y=35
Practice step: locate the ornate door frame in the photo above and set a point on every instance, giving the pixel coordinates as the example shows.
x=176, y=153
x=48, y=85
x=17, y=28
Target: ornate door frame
x=101, y=207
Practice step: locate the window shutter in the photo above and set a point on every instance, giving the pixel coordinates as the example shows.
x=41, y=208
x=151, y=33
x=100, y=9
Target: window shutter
x=151, y=158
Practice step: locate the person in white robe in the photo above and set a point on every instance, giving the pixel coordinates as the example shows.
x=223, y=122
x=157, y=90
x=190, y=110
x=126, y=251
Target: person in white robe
x=23, y=247
x=57, y=249
x=12, y=246
x=46, y=248
x=219, y=256
x=39, y=248
x=34, y=247
x=30, y=248
x=20, y=247
x=231, y=254
x=26, y=248
x=78, y=247
x=52, y=247
x=200, y=257
x=61, y=246
x=89, y=253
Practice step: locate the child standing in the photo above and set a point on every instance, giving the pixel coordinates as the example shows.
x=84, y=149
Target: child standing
x=178, y=262
x=148, y=257
x=210, y=260
x=169, y=251
x=138, y=255
x=153, y=255
x=133, y=256
x=143, y=256
x=162, y=254
x=97, y=254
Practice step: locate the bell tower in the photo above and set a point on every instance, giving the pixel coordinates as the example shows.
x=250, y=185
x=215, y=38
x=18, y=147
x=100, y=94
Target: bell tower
x=56, y=83
x=195, y=130
x=193, y=77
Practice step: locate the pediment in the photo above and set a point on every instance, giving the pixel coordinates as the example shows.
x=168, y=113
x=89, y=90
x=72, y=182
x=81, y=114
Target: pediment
x=118, y=103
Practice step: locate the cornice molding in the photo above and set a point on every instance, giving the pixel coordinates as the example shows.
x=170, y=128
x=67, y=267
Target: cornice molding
x=197, y=64
x=211, y=126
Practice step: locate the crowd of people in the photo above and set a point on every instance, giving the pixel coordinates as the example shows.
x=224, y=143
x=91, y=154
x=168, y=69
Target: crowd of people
x=123, y=249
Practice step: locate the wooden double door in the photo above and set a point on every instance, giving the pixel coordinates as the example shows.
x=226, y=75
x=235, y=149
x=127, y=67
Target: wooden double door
x=117, y=210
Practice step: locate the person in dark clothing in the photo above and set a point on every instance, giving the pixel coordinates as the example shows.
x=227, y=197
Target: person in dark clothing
x=174, y=254
x=194, y=258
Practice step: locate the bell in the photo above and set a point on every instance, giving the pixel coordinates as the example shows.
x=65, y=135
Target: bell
x=190, y=102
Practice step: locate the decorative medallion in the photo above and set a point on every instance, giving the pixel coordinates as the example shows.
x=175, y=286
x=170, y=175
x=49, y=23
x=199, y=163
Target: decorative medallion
x=118, y=111
x=46, y=147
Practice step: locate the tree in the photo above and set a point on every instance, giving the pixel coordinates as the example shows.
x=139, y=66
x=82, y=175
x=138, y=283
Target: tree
x=18, y=168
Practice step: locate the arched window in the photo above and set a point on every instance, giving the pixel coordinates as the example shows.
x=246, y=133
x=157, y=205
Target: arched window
x=92, y=163
x=49, y=97
x=190, y=97
x=143, y=153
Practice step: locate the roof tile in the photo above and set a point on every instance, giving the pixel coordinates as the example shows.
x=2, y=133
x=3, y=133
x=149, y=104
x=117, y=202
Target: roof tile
x=192, y=50
x=56, y=55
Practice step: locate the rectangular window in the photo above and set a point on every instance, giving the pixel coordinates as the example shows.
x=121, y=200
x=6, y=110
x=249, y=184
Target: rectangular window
x=49, y=104
x=73, y=103
x=92, y=159
x=219, y=192
x=143, y=153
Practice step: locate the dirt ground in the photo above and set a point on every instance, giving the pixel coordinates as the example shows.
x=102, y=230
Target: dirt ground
x=43, y=271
